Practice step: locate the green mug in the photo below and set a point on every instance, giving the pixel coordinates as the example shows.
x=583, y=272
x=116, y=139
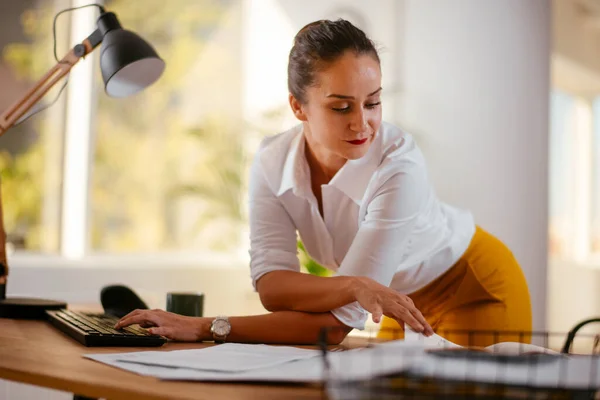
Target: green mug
x=186, y=303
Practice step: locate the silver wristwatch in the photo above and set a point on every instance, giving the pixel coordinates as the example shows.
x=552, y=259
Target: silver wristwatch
x=220, y=328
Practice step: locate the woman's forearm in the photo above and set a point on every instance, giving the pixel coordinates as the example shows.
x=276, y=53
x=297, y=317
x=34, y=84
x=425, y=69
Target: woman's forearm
x=283, y=327
x=295, y=291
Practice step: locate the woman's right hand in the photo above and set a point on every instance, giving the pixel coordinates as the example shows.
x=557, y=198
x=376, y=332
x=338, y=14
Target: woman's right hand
x=381, y=300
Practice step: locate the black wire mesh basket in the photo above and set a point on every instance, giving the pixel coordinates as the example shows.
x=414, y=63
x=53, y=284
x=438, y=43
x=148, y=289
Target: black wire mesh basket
x=518, y=365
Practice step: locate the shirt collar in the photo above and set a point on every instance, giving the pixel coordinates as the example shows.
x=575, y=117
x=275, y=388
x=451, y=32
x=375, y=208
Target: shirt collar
x=352, y=179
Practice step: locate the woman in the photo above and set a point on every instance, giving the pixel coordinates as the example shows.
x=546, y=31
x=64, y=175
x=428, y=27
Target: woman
x=356, y=190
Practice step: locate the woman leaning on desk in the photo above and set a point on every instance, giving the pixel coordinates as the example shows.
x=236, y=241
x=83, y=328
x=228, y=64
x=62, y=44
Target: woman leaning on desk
x=357, y=191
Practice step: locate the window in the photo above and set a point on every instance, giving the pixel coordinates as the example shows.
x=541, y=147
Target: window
x=574, y=177
x=31, y=153
x=168, y=164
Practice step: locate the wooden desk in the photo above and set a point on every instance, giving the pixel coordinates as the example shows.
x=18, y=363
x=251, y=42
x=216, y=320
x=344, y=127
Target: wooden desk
x=36, y=353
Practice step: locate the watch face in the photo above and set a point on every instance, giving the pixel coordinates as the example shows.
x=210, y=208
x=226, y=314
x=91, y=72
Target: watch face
x=221, y=327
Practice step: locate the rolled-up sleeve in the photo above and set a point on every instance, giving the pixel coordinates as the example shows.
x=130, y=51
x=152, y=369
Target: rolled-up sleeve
x=273, y=244
x=381, y=241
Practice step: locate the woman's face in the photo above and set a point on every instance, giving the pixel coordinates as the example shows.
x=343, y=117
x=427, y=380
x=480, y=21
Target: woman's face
x=342, y=113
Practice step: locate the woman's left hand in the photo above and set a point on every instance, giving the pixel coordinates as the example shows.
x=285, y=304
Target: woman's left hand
x=167, y=324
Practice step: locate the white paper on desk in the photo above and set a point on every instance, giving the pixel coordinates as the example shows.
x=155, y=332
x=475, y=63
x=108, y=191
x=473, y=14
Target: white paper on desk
x=343, y=365
x=434, y=341
x=141, y=369
x=350, y=365
x=305, y=370
x=228, y=357
x=302, y=371
x=575, y=372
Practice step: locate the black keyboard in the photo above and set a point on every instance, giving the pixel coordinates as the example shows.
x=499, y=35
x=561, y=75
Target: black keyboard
x=94, y=330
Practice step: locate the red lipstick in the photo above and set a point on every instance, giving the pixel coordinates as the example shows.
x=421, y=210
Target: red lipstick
x=357, y=142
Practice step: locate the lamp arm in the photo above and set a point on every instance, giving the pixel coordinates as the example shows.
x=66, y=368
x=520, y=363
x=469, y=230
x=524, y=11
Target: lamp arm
x=24, y=104
x=42, y=86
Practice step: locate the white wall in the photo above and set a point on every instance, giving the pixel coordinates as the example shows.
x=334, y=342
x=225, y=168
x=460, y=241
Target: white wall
x=476, y=95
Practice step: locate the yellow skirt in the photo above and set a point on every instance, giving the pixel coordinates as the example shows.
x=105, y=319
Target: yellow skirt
x=483, y=299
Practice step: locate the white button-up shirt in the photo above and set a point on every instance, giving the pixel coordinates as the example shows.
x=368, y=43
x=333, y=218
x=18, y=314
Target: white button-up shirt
x=381, y=217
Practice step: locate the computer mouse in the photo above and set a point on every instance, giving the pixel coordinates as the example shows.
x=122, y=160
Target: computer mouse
x=119, y=300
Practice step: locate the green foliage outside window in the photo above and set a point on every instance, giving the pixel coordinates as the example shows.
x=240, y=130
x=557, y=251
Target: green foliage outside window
x=309, y=265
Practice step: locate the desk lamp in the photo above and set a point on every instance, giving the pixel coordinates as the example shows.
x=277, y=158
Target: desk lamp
x=128, y=64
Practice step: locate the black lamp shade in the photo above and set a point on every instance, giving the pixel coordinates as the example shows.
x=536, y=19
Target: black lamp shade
x=128, y=63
